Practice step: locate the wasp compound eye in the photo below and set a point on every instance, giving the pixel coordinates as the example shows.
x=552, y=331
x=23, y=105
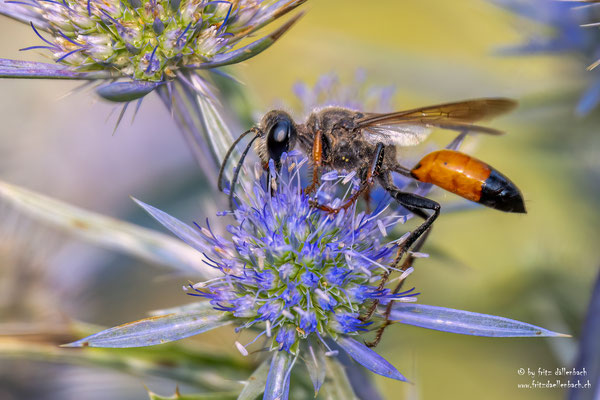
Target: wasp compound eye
x=279, y=139
x=281, y=131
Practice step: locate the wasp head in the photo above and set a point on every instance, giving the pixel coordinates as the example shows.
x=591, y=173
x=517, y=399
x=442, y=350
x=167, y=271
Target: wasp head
x=274, y=135
x=278, y=136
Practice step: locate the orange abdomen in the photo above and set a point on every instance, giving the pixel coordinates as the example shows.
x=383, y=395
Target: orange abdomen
x=470, y=178
x=456, y=172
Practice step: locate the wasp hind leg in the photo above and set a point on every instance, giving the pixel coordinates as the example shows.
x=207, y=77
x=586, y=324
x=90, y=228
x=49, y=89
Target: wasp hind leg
x=388, y=310
x=367, y=198
x=417, y=205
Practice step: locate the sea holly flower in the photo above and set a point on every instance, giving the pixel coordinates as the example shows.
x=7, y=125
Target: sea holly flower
x=573, y=30
x=147, y=40
x=300, y=279
x=132, y=48
x=566, y=34
x=330, y=90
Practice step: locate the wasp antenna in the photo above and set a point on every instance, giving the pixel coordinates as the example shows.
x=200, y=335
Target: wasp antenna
x=236, y=173
x=227, y=155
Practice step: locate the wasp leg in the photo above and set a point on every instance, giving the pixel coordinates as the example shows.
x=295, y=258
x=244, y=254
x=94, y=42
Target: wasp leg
x=367, y=197
x=388, y=310
x=401, y=170
x=415, y=204
x=317, y=157
x=373, y=171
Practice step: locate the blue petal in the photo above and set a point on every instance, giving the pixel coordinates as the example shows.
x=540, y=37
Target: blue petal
x=255, y=383
x=181, y=230
x=200, y=120
x=458, y=140
x=589, y=100
x=40, y=70
x=338, y=384
x=278, y=381
x=359, y=379
x=464, y=322
x=199, y=306
x=156, y=330
x=104, y=231
x=277, y=8
x=126, y=91
x=589, y=349
x=23, y=13
x=362, y=383
x=315, y=363
x=368, y=358
x=249, y=51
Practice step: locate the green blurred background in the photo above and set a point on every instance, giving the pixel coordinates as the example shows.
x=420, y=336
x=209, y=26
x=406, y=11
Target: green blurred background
x=537, y=268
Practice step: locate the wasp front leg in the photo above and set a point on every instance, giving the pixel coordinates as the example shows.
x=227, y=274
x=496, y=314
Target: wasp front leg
x=373, y=171
x=317, y=161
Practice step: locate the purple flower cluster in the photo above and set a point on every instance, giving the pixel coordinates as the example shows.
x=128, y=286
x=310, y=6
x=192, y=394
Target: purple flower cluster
x=330, y=90
x=147, y=40
x=295, y=268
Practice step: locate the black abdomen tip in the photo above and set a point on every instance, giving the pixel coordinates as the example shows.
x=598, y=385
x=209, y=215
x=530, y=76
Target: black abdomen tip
x=500, y=193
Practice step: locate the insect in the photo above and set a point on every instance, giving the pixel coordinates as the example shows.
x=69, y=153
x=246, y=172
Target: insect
x=366, y=143
x=344, y=139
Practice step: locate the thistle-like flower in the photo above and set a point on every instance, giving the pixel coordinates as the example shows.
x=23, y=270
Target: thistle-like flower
x=150, y=40
x=150, y=45
x=330, y=90
x=300, y=279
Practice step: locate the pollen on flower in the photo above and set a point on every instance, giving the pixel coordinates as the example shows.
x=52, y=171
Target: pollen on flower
x=293, y=270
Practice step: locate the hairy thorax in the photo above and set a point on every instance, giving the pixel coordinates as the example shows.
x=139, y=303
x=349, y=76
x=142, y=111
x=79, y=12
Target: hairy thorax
x=344, y=146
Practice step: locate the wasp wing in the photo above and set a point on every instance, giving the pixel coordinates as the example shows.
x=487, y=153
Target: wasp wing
x=396, y=135
x=410, y=127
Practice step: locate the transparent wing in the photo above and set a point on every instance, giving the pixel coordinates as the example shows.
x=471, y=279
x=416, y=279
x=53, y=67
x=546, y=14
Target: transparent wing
x=410, y=127
x=396, y=135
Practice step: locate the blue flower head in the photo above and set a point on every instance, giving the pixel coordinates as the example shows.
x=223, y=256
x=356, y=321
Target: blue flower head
x=148, y=40
x=330, y=90
x=304, y=252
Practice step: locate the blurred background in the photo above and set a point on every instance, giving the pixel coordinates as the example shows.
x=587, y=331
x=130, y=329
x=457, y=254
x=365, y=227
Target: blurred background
x=537, y=268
